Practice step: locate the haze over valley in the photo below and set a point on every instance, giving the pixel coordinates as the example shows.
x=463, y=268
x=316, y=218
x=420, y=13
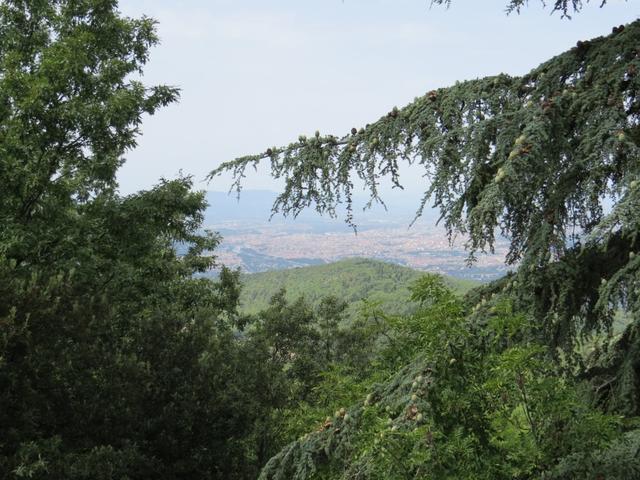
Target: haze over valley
x=254, y=243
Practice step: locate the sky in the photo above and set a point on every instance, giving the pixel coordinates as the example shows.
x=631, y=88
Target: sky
x=258, y=73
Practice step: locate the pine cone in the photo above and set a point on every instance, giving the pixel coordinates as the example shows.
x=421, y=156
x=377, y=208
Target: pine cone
x=547, y=105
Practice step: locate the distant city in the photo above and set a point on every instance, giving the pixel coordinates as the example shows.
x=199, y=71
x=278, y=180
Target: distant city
x=255, y=244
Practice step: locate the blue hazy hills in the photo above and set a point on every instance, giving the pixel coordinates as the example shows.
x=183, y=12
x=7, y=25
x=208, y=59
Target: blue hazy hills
x=254, y=206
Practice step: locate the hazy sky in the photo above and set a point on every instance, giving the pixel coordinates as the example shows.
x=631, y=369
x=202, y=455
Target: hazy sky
x=258, y=73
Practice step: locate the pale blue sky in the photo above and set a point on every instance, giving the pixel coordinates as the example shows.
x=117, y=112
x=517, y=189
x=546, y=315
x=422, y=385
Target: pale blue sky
x=259, y=73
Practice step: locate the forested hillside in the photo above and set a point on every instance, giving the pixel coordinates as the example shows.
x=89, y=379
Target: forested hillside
x=351, y=280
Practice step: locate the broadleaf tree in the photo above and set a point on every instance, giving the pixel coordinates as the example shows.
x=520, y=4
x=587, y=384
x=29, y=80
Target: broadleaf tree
x=115, y=361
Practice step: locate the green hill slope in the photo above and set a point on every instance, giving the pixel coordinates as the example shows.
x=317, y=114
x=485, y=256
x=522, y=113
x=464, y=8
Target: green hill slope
x=352, y=280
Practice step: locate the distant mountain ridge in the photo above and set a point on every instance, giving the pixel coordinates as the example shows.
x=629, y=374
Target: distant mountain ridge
x=352, y=280
x=255, y=206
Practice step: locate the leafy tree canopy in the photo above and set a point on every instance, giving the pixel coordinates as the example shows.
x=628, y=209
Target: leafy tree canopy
x=114, y=361
x=460, y=398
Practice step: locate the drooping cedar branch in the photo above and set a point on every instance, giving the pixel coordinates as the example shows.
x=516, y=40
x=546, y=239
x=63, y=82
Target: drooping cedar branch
x=566, y=7
x=549, y=160
x=531, y=156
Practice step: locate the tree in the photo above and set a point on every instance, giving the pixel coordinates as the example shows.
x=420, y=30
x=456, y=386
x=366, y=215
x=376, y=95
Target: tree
x=308, y=358
x=549, y=160
x=532, y=158
x=115, y=362
x=70, y=109
x=457, y=396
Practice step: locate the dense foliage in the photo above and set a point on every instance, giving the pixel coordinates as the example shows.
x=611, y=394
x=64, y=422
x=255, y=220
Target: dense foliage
x=114, y=361
x=462, y=396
